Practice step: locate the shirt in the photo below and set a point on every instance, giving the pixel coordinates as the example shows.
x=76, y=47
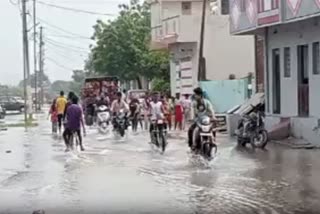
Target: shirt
x=61, y=104
x=156, y=110
x=207, y=105
x=54, y=115
x=117, y=106
x=74, y=117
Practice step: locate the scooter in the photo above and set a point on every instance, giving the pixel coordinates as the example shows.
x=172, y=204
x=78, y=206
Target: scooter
x=103, y=119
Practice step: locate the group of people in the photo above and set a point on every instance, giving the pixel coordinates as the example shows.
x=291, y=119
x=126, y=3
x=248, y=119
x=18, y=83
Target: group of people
x=68, y=112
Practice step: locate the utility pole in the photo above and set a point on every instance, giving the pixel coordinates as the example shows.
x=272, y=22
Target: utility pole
x=202, y=61
x=35, y=55
x=41, y=43
x=26, y=65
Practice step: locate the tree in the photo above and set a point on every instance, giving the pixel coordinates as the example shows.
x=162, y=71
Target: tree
x=122, y=46
x=45, y=80
x=60, y=85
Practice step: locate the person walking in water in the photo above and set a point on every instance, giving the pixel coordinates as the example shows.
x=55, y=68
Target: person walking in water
x=61, y=104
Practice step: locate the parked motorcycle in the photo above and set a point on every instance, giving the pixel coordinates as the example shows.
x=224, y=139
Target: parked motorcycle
x=159, y=134
x=251, y=130
x=103, y=119
x=121, y=123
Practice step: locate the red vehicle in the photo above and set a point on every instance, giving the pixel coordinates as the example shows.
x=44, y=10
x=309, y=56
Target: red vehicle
x=97, y=87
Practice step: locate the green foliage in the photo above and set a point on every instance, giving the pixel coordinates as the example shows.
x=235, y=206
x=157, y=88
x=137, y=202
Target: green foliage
x=160, y=85
x=11, y=91
x=122, y=46
x=45, y=80
x=60, y=85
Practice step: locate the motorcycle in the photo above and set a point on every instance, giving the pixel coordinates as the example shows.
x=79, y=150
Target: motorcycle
x=251, y=130
x=159, y=134
x=120, y=123
x=204, y=131
x=103, y=118
x=2, y=112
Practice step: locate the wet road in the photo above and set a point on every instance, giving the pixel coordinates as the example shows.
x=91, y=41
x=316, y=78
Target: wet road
x=114, y=176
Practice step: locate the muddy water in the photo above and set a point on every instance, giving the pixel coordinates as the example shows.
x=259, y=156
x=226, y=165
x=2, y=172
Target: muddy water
x=114, y=176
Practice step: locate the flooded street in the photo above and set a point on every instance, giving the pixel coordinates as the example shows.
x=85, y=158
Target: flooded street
x=114, y=176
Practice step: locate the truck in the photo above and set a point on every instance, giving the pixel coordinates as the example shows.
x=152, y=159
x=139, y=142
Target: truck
x=95, y=88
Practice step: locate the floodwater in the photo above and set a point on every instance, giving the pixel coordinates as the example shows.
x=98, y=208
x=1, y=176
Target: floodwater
x=128, y=176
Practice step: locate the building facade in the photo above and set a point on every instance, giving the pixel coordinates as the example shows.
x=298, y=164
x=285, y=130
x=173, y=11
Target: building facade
x=176, y=26
x=290, y=32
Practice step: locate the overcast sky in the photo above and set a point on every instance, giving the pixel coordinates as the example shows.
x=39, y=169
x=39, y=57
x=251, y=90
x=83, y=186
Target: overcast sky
x=63, y=54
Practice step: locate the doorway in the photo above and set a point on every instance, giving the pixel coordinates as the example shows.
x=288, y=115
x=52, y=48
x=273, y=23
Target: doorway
x=303, y=80
x=276, y=82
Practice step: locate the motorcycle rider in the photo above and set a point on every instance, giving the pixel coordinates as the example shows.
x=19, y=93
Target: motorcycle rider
x=157, y=110
x=200, y=104
x=118, y=105
x=134, y=109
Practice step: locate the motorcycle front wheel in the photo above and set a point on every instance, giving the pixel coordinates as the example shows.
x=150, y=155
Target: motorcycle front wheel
x=163, y=140
x=121, y=132
x=260, y=140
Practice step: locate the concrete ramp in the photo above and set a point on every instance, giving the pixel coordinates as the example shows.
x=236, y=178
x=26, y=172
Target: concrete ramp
x=281, y=130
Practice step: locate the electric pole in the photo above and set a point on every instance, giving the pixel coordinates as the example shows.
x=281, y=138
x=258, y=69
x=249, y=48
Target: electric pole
x=41, y=43
x=202, y=61
x=26, y=65
x=35, y=55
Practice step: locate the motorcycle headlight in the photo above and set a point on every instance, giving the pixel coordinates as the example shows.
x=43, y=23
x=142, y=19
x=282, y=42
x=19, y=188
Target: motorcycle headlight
x=205, y=121
x=205, y=128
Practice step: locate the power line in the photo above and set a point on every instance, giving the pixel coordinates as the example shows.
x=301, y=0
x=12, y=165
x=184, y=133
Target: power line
x=91, y=2
x=66, y=45
x=61, y=29
x=65, y=48
x=58, y=64
x=63, y=55
x=67, y=37
x=74, y=10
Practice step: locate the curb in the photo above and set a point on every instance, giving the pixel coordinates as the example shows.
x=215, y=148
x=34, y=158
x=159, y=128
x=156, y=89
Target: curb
x=295, y=146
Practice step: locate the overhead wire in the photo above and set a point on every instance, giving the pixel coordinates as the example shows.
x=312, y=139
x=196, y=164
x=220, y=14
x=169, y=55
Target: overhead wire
x=66, y=45
x=74, y=10
x=65, y=48
x=61, y=29
x=58, y=64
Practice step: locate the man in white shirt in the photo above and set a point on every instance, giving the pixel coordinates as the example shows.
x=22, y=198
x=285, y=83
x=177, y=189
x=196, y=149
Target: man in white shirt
x=186, y=104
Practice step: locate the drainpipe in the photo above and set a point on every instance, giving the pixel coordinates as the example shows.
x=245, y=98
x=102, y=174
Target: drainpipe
x=266, y=71
x=202, y=61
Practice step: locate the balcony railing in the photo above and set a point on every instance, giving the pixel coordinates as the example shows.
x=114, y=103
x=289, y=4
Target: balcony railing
x=169, y=28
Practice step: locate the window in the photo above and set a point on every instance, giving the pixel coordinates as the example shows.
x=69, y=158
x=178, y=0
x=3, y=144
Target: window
x=275, y=4
x=243, y=5
x=287, y=62
x=267, y=5
x=225, y=7
x=316, y=57
x=186, y=8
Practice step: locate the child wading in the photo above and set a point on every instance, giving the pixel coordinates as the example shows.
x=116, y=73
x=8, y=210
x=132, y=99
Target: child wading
x=54, y=117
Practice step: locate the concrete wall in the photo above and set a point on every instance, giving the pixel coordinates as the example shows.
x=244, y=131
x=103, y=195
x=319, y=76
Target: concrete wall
x=291, y=35
x=226, y=94
x=227, y=54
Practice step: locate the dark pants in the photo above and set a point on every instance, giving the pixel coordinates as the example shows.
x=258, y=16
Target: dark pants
x=60, y=120
x=67, y=134
x=190, y=134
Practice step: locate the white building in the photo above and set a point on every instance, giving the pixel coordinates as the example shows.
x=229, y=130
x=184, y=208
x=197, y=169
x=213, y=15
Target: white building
x=290, y=30
x=176, y=25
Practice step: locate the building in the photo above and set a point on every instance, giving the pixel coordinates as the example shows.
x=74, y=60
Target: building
x=290, y=32
x=176, y=25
